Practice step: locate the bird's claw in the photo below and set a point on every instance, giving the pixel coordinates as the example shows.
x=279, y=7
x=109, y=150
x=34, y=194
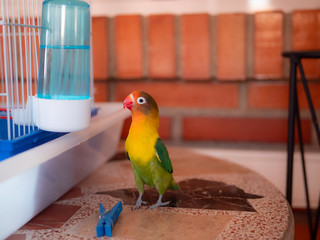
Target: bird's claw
x=135, y=207
x=138, y=204
x=158, y=204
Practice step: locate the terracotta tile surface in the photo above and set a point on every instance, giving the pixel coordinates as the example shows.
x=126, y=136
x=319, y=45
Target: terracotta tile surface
x=195, y=46
x=306, y=36
x=268, y=44
x=161, y=46
x=231, y=39
x=100, y=47
x=55, y=216
x=201, y=95
x=240, y=129
x=128, y=46
x=73, y=193
x=301, y=224
x=17, y=237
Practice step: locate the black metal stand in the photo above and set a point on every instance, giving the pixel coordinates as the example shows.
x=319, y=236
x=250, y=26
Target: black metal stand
x=294, y=115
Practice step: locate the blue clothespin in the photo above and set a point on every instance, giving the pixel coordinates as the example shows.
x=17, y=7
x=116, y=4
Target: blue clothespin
x=107, y=219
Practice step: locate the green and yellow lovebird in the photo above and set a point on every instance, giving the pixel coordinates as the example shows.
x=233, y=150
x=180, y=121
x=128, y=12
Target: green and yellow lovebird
x=148, y=155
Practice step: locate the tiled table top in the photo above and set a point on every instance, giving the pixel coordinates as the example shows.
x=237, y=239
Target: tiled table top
x=217, y=200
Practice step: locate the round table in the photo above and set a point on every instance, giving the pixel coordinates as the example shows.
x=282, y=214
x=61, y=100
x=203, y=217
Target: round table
x=217, y=200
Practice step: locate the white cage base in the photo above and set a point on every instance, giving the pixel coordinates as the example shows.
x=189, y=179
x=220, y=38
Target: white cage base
x=32, y=180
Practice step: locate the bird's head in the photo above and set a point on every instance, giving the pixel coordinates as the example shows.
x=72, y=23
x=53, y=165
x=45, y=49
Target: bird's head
x=141, y=102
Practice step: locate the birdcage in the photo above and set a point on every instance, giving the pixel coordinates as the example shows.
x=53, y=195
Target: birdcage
x=19, y=58
x=34, y=171
x=56, y=51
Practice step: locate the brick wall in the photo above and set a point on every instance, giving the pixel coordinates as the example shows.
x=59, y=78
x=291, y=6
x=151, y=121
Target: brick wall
x=216, y=78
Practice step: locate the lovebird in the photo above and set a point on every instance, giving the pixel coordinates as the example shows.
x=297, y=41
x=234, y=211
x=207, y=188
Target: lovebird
x=147, y=153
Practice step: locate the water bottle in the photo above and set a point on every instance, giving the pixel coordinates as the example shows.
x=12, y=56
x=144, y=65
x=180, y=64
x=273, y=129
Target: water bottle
x=64, y=102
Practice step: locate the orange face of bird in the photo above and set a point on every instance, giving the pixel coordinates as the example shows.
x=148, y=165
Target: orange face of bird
x=141, y=102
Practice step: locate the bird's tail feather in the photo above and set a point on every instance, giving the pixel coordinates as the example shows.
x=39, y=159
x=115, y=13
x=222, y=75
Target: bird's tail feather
x=174, y=185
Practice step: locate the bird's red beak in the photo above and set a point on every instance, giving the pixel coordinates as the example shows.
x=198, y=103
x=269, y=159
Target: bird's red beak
x=128, y=102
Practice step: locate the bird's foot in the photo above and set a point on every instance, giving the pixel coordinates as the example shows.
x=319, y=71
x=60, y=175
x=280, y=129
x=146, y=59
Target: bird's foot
x=158, y=204
x=139, y=203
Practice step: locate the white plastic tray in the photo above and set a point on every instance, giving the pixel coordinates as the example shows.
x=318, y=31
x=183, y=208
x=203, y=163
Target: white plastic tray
x=32, y=180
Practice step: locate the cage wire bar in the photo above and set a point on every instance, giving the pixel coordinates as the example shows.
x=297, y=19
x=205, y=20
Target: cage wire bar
x=19, y=54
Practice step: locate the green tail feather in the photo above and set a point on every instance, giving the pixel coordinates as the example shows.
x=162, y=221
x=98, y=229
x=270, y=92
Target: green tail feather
x=174, y=185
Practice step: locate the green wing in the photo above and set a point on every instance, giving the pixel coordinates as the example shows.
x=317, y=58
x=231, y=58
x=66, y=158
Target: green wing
x=163, y=155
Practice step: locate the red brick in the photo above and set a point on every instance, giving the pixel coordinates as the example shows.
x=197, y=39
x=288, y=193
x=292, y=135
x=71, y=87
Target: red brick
x=128, y=46
x=276, y=96
x=100, y=47
x=195, y=47
x=161, y=46
x=314, y=88
x=200, y=95
x=100, y=91
x=164, y=128
x=240, y=129
x=268, y=95
x=306, y=36
x=231, y=29
x=268, y=43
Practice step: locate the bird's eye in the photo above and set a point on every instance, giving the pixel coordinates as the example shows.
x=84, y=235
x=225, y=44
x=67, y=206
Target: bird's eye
x=141, y=100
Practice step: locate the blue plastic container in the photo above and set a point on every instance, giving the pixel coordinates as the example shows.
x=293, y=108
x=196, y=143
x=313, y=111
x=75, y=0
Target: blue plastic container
x=32, y=138
x=65, y=50
x=64, y=71
x=63, y=99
